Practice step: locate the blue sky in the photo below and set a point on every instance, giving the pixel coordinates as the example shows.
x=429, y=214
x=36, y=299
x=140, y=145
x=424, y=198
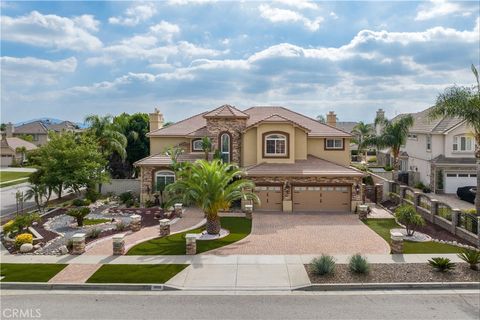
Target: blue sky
x=70, y=59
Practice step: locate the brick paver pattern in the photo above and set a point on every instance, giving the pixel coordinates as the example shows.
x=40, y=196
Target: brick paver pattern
x=307, y=233
x=75, y=273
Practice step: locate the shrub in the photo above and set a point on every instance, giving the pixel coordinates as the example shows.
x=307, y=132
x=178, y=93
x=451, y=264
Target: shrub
x=129, y=203
x=80, y=202
x=125, y=196
x=92, y=195
x=9, y=226
x=472, y=211
x=359, y=264
x=441, y=264
x=149, y=203
x=79, y=214
x=419, y=185
x=23, y=238
x=426, y=190
x=94, y=233
x=388, y=168
x=408, y=216
x=472, y=257
x=372, y=160
x=22, y=222
x=120, y=226
x=368, y=180
x=323, y=265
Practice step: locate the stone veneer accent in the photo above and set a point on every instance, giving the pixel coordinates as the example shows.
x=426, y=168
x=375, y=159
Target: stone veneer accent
x=147, y=181
x=234, y=127
x=118, y=244
x=136, y=223
x=191, y=243
x=164, y=227
x=396, y=242
x=78, y=241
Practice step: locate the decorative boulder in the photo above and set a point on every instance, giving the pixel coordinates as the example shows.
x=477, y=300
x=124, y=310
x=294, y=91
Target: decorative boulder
x=63, y=250
x=37, y=246
x=26, y=247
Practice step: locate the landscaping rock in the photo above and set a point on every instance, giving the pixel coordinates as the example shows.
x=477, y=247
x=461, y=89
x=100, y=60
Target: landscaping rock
x=63, y=249
x=37, y=246
x=26, y=247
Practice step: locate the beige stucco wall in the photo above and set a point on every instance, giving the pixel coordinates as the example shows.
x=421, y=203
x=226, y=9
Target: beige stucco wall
x=249, y=147
x=316, y=147
x=278, y=127
x=300, y=144
x=159, y=144
x=461, y=130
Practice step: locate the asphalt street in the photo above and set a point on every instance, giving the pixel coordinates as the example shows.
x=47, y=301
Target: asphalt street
x=218, y=305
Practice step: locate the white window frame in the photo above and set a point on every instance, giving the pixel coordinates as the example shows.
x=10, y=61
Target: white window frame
x=194, y=148
x=429, y=143
x=163, y=174
x=412, y=136
x=225, y=153
x=276, y=137
x=468, y=143
x=335, y=146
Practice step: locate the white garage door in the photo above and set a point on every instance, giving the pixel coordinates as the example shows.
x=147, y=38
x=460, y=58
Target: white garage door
x=455, y=180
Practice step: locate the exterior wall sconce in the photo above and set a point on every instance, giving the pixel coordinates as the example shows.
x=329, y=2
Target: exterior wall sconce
x=357, y=189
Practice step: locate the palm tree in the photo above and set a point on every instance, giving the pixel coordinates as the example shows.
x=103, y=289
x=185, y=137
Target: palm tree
x=108, y=136
x=321, y=119
x=393, y=136
x=463, y=102
x=38, y=192
x=22, y=150
x=212, y=186
x=362, y=131
x=206, y=146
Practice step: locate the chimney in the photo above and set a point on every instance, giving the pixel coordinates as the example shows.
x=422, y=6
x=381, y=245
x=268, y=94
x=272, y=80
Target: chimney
x=156, y=120
x=379, y=126
x=9, y=129
x=332, y=119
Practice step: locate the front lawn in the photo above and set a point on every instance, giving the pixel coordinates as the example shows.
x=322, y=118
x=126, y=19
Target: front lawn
x=90, y=222
x=7, y=178
x=382, y=228
x=136, y=273
x=29, y=272
x=175, y=244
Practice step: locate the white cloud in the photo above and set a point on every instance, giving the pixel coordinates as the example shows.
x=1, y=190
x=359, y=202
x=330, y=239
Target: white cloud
x=299, y=4
x=187, y=2
x=34, y=71
x=50, y=31
x=165, y=30
x=437, y=8
x=87, y=22
x=135, y=14
x=333, y=15
x=283, y=15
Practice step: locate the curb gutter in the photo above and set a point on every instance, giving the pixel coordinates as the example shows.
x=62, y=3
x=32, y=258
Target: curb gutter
x=389, y=286
x=84, y=286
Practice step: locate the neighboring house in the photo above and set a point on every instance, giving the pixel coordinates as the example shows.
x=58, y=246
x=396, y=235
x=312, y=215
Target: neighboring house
x=297, y=163
x=440, y=152
x=10, y=150
x=39, y=130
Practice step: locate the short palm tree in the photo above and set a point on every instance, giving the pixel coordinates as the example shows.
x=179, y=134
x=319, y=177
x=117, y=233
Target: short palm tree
x=206, y=146
x=393, y=136
x=212, y=186
x=37, y=192
x=22, y=151
x=463, y=102
x=108, y=136
x=362, y=131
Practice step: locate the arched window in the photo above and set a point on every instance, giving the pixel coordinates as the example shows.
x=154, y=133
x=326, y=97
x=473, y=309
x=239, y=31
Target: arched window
x=163, y=179
x=276, y=145
x=225, y=147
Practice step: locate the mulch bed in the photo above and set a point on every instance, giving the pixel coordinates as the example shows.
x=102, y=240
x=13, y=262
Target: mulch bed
x=398, y=272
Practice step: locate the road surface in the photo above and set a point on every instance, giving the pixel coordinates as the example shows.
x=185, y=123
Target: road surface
x=214, y=305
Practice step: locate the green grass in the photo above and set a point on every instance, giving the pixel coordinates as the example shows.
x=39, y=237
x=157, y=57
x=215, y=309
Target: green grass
x=136, y=273
x=29, y=272
x=7, y=177
x=382, y=228
x=91, y=222
x=175, y=244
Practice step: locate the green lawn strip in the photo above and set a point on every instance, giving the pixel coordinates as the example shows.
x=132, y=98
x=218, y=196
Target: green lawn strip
x=175, y=244
x=90, y=222
x=136, y=273
x=382, y=228
x=29, y=272
x=6, y=176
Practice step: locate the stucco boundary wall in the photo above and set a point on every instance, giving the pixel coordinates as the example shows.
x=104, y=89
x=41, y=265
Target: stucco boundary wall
x=118, y=186
x=430, y=209
x=381, y=182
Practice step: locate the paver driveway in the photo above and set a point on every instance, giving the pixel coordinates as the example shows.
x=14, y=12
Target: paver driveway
x=307, y=233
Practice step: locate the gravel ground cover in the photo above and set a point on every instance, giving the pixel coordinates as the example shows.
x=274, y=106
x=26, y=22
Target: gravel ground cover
x=398, y=272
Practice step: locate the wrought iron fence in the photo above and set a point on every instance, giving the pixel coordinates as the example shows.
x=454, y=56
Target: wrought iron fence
x=425, y=203
x=444, y=211
x=468, y=222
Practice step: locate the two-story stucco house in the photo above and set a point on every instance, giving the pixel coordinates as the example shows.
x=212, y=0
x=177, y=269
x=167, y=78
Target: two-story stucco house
x=297, y=163
x=39, y=130
x=441, y=151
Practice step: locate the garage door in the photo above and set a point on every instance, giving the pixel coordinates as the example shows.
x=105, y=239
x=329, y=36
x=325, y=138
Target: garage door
x=270, y=198
x=455, y=180
x=321, y=198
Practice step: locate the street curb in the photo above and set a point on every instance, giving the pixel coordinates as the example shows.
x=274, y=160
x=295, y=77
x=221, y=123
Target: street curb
x=85, y=286
x=389, y=286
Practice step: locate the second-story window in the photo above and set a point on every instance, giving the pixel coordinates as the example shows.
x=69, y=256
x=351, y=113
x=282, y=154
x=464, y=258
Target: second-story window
x=429, y=143
x=334, y=144
x=225, y=147
x=275, y=145
x=462, y=143
x=197, y=145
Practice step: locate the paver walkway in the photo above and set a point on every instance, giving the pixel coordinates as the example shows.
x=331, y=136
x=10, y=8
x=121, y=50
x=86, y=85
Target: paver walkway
x=75, y=273
x=307, y=233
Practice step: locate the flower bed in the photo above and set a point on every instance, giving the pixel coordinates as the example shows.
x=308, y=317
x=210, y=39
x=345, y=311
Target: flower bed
x=396, y=272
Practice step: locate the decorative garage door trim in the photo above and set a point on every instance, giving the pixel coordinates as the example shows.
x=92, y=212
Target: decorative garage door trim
x=271, y=197
x=321, y=198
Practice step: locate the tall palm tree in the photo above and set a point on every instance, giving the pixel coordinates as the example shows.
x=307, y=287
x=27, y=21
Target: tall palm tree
x=393, y=136
x=22, y=150
x=463, y=102
x=108, y=136
x=362, y=131
x=212, y=186
x=206, y=146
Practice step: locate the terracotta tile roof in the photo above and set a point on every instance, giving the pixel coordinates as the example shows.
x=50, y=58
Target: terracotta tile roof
x=189, y=126
x=163, y=160
x=35, y=127
x=313, y=166
x=14, y=143
x=202, y=132
x=277, y=118
x=226, y=111
x=424, y=124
